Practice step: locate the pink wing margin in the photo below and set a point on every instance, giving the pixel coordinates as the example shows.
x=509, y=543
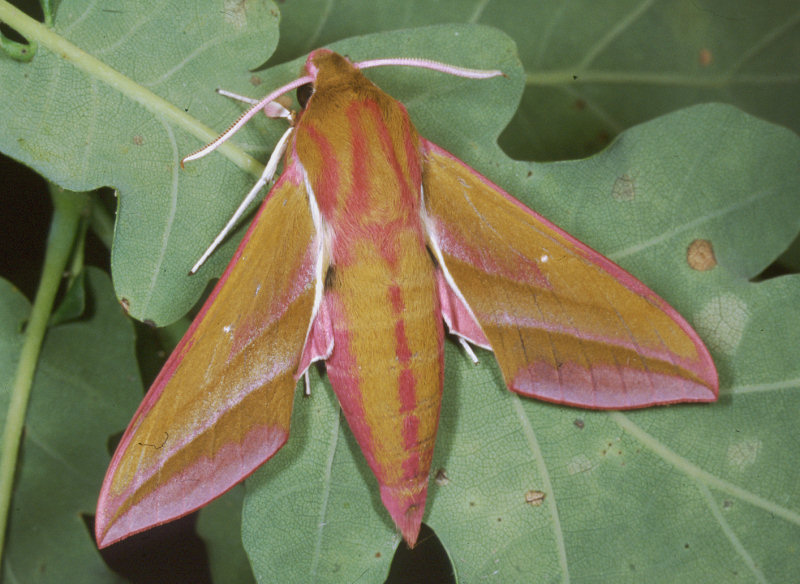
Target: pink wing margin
x=222, y=404
x=566, y=324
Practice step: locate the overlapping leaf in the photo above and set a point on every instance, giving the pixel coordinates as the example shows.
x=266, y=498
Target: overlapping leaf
x=680, y=493
x=596, y=68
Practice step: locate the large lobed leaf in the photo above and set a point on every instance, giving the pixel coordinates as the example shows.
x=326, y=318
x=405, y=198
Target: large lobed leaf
x=595, y=68
x=117, y=98
x=684, y=493
x=680, y=493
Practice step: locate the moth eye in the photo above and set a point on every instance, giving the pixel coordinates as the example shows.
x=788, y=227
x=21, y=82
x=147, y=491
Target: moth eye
x=304, y=93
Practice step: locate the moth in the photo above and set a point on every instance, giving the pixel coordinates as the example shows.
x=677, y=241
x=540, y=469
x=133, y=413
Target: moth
x=372, y=244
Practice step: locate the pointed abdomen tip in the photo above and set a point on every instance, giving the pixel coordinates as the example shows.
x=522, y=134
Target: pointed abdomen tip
x=406, y=505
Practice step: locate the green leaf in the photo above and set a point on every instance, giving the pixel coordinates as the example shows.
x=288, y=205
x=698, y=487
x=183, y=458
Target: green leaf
x=87, y=384
x=691, y=493
x=117, y=98
x=595, y=68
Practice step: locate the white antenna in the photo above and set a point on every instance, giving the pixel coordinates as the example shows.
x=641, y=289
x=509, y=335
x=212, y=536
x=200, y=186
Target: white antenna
x=272, y=109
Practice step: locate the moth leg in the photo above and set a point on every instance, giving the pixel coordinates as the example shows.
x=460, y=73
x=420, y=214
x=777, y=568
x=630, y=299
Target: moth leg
x=266, y=176
x=468, y=350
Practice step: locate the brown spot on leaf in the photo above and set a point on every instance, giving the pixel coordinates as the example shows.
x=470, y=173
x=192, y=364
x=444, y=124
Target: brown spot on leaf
x=624, y=188
x=700, y=255
x=255, y=80
x=138, y=140
x=579, y=424
x=534, y=498
x=235, y=13
x=705, y=57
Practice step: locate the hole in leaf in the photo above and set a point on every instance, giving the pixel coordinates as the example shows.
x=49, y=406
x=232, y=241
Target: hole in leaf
x=427, y=562
x=24, y=222
x=787, y=263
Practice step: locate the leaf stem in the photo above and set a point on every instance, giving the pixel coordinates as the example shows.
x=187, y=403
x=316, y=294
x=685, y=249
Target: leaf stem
x=68, y=209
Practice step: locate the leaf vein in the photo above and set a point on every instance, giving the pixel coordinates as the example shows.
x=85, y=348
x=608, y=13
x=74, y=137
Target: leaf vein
x=730, y=534
x=612, y=34
x=547, y=485
x=170, y=218
x=768, y=38
x=617, y=255
x=702, y=476
x=326, y=480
